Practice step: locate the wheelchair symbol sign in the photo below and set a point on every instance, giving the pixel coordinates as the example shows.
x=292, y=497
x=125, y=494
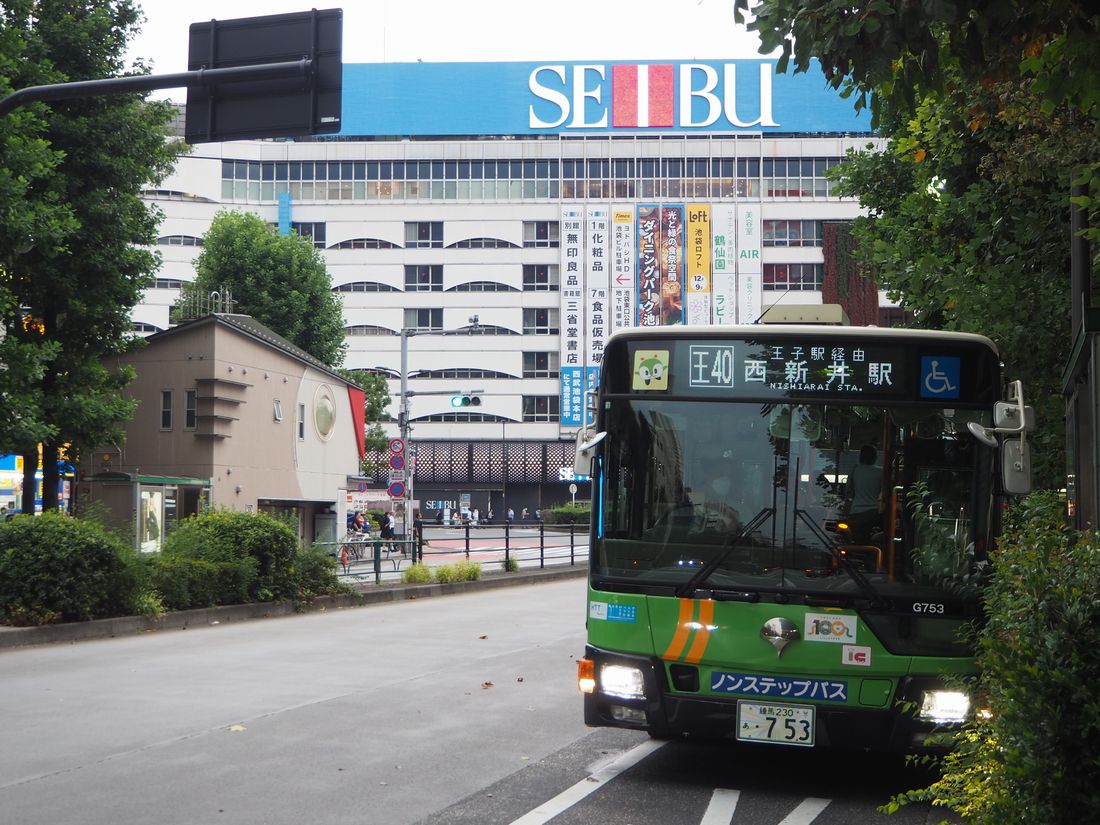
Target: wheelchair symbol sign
x=939, y=376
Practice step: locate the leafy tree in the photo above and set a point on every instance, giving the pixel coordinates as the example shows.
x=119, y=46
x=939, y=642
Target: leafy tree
x=967, y=227
x=77, y=282
x=898, y=49
x=280, y=280
x=32, y=218
x=968, y=207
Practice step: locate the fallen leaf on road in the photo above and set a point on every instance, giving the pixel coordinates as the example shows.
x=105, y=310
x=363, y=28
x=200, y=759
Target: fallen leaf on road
x=519, y=678
x=485, y=685
x=483, y=637
x=237, y=728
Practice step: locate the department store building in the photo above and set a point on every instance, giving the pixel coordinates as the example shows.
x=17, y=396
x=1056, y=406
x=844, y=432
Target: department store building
x=511, y=216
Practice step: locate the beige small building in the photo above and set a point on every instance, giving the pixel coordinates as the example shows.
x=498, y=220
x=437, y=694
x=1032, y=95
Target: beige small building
x=233, y=416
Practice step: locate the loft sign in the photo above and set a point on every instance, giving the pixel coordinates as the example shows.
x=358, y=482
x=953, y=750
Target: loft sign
x=685, y=96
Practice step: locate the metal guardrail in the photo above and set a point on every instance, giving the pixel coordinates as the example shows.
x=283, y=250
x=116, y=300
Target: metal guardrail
x=524, y=545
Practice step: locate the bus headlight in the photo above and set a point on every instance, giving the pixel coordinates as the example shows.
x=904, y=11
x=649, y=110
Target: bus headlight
x=622, y=681
x=944, y=707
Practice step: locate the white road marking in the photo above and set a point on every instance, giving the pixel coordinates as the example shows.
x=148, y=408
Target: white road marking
x=806, y=812
x=571, y=796
x=723, y=802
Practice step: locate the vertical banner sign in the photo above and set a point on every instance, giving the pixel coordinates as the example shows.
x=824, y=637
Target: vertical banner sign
x=672, y=265
x=622, y=267
x=649, y=269
x=724, y=229
x=698, y=264
x=597, y=287
x=750, y=288
x=572, y=355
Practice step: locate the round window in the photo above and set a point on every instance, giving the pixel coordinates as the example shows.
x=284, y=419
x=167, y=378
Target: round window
x=324, y=412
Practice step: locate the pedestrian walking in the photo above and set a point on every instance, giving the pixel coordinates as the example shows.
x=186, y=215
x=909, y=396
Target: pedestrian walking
x=511, y=515
x=524, y=515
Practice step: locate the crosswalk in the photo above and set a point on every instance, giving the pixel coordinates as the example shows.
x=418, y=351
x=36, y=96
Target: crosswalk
x=720, y=810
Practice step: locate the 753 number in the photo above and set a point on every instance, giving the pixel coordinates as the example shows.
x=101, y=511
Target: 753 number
x=793, y=730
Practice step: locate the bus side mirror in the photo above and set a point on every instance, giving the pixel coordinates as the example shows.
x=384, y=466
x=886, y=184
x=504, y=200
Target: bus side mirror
x=586, y=448
x=1016, y=466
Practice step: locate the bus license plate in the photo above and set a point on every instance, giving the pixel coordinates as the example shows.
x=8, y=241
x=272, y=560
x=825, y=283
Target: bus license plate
x=778, y=724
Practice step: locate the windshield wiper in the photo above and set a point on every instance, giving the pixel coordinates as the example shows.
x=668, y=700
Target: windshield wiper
x=704, y=572
x=845, y=562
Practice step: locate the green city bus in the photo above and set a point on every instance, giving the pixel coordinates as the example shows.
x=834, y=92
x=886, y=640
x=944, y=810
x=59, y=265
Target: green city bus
x=790, y=527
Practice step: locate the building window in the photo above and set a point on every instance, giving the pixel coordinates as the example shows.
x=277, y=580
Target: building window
x=424, y=320
x=179, y=240
x=365, y=243
x=314, y=231
x=167, y=283
x=540, y=277
x=427, y=278
x=424, y=235
x=482, y=286
x=795, y=277
x=540, y=408
x=540, y=364
x=190, y=409
x=364, y=286
x=367, y=329
x=462, y=373
x=484, y=243
x=166, y=409
x=277, y=410
x=540, y=234
x=793, y=233
x=540, y=321
x=301, y=422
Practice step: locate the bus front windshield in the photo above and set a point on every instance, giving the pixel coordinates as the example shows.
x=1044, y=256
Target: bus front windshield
x=794, y=498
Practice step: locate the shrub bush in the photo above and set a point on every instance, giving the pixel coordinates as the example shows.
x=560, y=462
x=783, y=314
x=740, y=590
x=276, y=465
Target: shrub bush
x=416, y=574
x=510, y=565
x=567, y=514
x=261, y=546
x=1035, y=758
x=460, y=571
x=186, y=583
x=314, y=575
x=54, y=568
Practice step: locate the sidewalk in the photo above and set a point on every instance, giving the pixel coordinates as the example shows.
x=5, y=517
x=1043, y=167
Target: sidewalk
x=368, y=594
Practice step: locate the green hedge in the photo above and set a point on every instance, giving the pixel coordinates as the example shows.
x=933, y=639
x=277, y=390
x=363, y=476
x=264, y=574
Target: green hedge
x=1036, y=757
x=54, y=568
x=567, y=514
x=262, y=547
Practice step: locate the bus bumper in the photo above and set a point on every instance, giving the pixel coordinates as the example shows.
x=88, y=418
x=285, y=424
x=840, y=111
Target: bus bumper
x=668, y=713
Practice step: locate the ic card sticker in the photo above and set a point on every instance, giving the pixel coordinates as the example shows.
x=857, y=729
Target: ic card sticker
x=597, y=610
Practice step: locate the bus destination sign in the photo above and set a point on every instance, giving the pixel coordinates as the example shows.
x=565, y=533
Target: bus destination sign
x=795, y=368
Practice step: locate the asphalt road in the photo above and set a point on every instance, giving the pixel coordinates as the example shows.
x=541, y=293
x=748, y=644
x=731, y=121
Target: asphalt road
x=460, y=709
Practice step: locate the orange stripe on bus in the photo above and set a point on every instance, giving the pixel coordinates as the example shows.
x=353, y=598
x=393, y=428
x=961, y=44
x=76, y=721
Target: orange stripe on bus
x=702, y=634
x=683, y=630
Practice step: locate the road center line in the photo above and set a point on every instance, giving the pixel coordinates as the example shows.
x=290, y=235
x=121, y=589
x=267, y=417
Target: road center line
x=806, y=812
x=593, y=782
x=723, y=802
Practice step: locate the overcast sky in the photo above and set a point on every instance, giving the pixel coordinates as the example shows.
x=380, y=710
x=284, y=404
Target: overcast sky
x=388, y=31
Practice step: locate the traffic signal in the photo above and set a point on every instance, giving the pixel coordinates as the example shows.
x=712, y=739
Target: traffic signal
x=459, y=401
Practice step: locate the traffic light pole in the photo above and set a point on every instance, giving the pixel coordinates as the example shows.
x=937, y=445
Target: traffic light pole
x=403, y=411
x=403, y=423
